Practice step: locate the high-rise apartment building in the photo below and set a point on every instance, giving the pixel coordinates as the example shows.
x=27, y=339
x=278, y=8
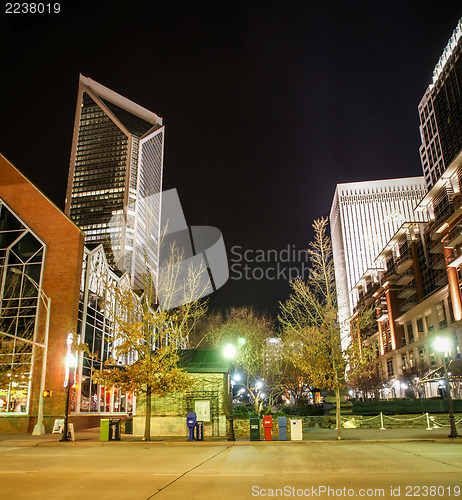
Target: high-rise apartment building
x=115, y=171
x=417, y=294
x=363, y=218
x=440, y=112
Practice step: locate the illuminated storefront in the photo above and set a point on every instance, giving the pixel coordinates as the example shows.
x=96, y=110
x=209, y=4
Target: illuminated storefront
x=96, y=330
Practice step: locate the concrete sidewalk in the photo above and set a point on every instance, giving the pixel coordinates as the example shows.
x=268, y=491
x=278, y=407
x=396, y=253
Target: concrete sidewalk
x=90, y=437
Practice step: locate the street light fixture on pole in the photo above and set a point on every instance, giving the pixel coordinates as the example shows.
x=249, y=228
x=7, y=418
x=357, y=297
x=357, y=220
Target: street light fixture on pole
x=230, y=354
x=39, y=428
x=442, y=346
x=70, y=364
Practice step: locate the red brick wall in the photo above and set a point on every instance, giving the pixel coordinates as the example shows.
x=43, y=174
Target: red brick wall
x=61, y=278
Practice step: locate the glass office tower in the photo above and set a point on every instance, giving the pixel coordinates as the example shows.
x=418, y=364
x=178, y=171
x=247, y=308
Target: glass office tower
x=364, y=217
x=116, y=166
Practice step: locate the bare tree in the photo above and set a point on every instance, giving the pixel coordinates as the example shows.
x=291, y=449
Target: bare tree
x=311, y=329
x=258, y=352
x=411, y=376
x=368, y=382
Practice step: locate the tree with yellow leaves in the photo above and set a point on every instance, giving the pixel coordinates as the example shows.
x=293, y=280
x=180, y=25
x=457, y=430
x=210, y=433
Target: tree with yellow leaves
x=146, y=337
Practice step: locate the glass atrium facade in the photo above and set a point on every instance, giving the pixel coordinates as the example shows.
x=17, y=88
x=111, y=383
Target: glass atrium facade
x=21, y=262
x=96, y=329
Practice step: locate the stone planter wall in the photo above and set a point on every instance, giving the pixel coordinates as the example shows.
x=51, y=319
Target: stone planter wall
x=412, y=421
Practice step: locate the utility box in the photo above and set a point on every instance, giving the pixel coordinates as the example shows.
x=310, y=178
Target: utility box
x=114, y=429
x=255, y=429
x=282, y=424
x=199, y=431
x=268, y=426
x=104, y=429
x=129, y=425
x=296, y=429
x=191, y=423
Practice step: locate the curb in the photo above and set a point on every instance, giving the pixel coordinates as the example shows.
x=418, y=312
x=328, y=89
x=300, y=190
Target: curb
x=83, y=443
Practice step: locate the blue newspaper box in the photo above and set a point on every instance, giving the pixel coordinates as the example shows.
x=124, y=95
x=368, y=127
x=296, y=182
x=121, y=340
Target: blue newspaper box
x=191, y=423
x=282, y=424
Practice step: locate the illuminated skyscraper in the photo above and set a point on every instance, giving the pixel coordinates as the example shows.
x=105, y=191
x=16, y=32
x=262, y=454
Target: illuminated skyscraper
x=116, y=165
x=440, y=112
x=363, y=218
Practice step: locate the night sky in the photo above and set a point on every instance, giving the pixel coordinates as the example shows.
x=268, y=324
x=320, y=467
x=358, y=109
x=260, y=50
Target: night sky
x=267, y=105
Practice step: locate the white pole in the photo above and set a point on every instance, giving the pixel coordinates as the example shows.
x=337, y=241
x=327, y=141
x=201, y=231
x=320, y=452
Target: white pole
x=428, y=424
x=382, y=428
x=39, y=428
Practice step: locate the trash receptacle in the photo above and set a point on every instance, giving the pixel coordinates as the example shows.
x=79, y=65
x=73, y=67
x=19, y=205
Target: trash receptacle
x=129, y=425
x=104, y=429
x=199, y=430
x=296, y=429
x=114, y=429
x=268, y=426
x=191, y=423
x=255, y=429
x=282, y=424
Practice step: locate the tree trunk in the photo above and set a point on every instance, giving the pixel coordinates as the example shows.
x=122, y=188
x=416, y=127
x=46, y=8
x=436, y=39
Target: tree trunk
x=257, y=400
x=337, y=413
x=147, y=423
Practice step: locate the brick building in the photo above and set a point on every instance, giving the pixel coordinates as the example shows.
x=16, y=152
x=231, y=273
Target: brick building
x=41, y=253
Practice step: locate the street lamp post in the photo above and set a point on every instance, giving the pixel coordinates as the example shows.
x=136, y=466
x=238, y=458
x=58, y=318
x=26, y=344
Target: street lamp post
x=70, y=363
x=230, y=353
x=442, y=345
x=39, y=428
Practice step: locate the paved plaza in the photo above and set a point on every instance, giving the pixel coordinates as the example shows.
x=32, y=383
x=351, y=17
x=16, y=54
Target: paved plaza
x=401, y=463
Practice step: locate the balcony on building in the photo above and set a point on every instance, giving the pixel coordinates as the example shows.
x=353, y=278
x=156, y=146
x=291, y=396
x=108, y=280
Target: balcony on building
x=454, y=237
x=456, y=200
x=455, y=259
x=368, y=297
x=437, y=247
x=403, y=263
x=382, y=314
x=389, y=274
x=406, y=277
x=407, y=291
x=439, y=262
x=441, y=280
x=443, y=211
x=408, y=304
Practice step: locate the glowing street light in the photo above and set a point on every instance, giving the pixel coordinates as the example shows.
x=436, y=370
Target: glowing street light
x=442, y=345
x=71, y=362
x=230, y=353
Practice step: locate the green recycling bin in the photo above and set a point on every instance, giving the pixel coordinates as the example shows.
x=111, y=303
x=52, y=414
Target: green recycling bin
x=104, y=429
x=254, y=429
x=129, y=425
